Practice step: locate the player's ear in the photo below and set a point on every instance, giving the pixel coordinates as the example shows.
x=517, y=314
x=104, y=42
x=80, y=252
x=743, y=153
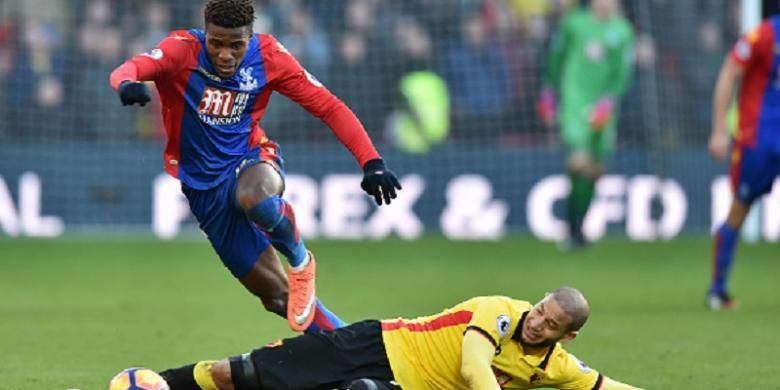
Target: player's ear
x=569, y=336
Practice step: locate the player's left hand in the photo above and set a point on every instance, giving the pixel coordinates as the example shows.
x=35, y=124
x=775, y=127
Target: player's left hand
x=379, y=182
x=601, y=113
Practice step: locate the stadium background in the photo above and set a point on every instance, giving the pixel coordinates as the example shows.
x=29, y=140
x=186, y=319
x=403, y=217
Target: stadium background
x=104, y=292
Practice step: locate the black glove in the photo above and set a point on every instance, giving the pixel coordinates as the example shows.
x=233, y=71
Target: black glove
x=132, y=92
x=379, y=182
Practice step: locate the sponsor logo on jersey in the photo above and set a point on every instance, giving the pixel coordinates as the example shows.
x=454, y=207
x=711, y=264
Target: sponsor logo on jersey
x=222, y=107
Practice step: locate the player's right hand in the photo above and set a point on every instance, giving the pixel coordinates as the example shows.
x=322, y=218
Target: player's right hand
x=134, y=92
x=379, y=182
x=719, y=145
x=547, y=107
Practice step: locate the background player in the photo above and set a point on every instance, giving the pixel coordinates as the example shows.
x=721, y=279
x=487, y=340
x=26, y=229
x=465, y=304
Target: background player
x=755, y=159
x=589, y=67
x=483, y=343
x=214, y=86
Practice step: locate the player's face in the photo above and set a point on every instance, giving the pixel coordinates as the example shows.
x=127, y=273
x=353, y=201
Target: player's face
x=226, y=48
x=546, y=324
x=604, y=8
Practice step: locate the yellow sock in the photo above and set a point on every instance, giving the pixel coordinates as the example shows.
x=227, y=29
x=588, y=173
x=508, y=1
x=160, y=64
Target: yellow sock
x=202, y=375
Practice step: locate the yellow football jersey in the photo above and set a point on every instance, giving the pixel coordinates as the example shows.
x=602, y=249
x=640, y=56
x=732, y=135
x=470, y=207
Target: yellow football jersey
x=425, y=353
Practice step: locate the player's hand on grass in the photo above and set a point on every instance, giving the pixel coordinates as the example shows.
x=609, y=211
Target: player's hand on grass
x=601, y=113
x=547, y=107
x=719, y=144
x=379, y=182
x=134, y=92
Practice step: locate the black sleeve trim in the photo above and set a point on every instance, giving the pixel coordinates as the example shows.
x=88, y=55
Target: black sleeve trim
x=482, y=332
x=597, y=386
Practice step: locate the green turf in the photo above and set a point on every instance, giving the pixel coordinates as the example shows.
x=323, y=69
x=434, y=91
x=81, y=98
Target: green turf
x=73, y=313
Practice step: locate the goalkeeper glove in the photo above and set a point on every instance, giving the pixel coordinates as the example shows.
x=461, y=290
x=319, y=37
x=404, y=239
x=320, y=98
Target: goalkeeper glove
x=601, y=113
x=547, y=106
x=132, y=92
x=379, y=182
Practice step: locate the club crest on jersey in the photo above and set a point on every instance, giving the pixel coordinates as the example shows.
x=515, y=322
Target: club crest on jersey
x=248, y=83
x=222, y=107
x=595, y=50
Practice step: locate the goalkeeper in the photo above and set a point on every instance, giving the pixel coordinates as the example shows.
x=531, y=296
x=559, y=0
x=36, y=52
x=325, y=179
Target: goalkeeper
x=588, y=70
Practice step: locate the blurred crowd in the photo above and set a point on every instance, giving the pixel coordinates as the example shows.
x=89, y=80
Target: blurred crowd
x=55, y=58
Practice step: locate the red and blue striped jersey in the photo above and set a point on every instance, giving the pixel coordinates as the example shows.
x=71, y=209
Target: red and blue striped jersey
x=759, y=95
x=211, y=122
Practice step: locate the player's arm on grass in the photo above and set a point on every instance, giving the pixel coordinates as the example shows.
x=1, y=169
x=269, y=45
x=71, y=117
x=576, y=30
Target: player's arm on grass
x=290, y=79
x=477, y=356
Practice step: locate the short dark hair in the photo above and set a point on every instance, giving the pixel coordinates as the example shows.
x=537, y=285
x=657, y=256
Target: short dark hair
x=229, y=13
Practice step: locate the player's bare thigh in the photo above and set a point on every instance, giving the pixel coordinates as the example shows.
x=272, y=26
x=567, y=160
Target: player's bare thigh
x=257, y=183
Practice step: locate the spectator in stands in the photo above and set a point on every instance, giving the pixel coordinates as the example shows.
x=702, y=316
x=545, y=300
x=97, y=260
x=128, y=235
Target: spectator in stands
x=700, y=68
x=476, y=71
x=357, y=81
x=6, y=63
x=100, y=48
x=307, y=42
x=421, y=101
x=35, y=90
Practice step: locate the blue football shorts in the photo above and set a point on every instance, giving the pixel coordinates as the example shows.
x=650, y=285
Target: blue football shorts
x=753, y=171
x=235, y=238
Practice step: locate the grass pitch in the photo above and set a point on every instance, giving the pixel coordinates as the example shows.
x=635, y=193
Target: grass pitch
x=75, y=312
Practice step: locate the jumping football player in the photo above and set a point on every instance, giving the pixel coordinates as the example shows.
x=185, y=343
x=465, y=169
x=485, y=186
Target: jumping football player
x=214, y=85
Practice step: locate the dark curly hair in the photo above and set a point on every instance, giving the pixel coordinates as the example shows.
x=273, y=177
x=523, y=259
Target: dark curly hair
x=229, y=13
